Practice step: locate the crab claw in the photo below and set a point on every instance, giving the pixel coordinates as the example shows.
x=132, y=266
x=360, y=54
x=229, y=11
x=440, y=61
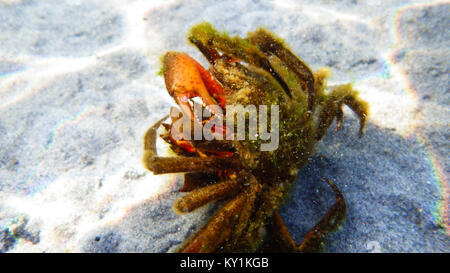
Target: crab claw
x=185, y=79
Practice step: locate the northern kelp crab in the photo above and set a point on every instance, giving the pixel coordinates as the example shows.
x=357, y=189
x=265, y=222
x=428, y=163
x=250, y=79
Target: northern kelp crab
x=256, y=70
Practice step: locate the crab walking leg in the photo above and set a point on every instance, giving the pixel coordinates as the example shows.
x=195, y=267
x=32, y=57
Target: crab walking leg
x=160, y=165
x=245, y=214
x=282, y=240
x=202, y=196
x=210, y=53
x=182, y=164
x=150, y=140
x=332, y=107
x=336, y=214
x=218, y=229
x=269, y=45
x=204, y=36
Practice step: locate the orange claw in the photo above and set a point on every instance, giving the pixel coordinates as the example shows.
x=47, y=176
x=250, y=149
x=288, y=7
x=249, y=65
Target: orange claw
x=185, y=78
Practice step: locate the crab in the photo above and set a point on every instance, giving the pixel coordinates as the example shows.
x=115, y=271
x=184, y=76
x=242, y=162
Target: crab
x=252, y=184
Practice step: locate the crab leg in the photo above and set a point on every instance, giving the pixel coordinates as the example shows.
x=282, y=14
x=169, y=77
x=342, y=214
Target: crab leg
x=245, y=214
x=160, y=165
x=181, y=164
x=202, y=196
x=314, y=238
x=150, y=139
x=269, y=45
x=204, y=36
x=332, y=107
x=218, y=228
x=282, y=240
x=210, y=53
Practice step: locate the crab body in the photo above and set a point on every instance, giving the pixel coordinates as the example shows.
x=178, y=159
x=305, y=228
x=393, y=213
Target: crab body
x=255, y=71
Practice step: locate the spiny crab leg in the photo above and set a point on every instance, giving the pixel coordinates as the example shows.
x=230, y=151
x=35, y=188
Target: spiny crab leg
x=253, y=188
x=313, y=240
x=269, y=46
x=150, y=139
x=204, y=195
x=246, y=52
x=160, y=165
x=218, y=229
x=332, y=107
x=182, y=164
x=226, y=227
x=336, y=214
x=282, y=240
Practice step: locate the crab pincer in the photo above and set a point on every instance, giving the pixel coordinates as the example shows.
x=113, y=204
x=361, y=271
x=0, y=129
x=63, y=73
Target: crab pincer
x=185, y=79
